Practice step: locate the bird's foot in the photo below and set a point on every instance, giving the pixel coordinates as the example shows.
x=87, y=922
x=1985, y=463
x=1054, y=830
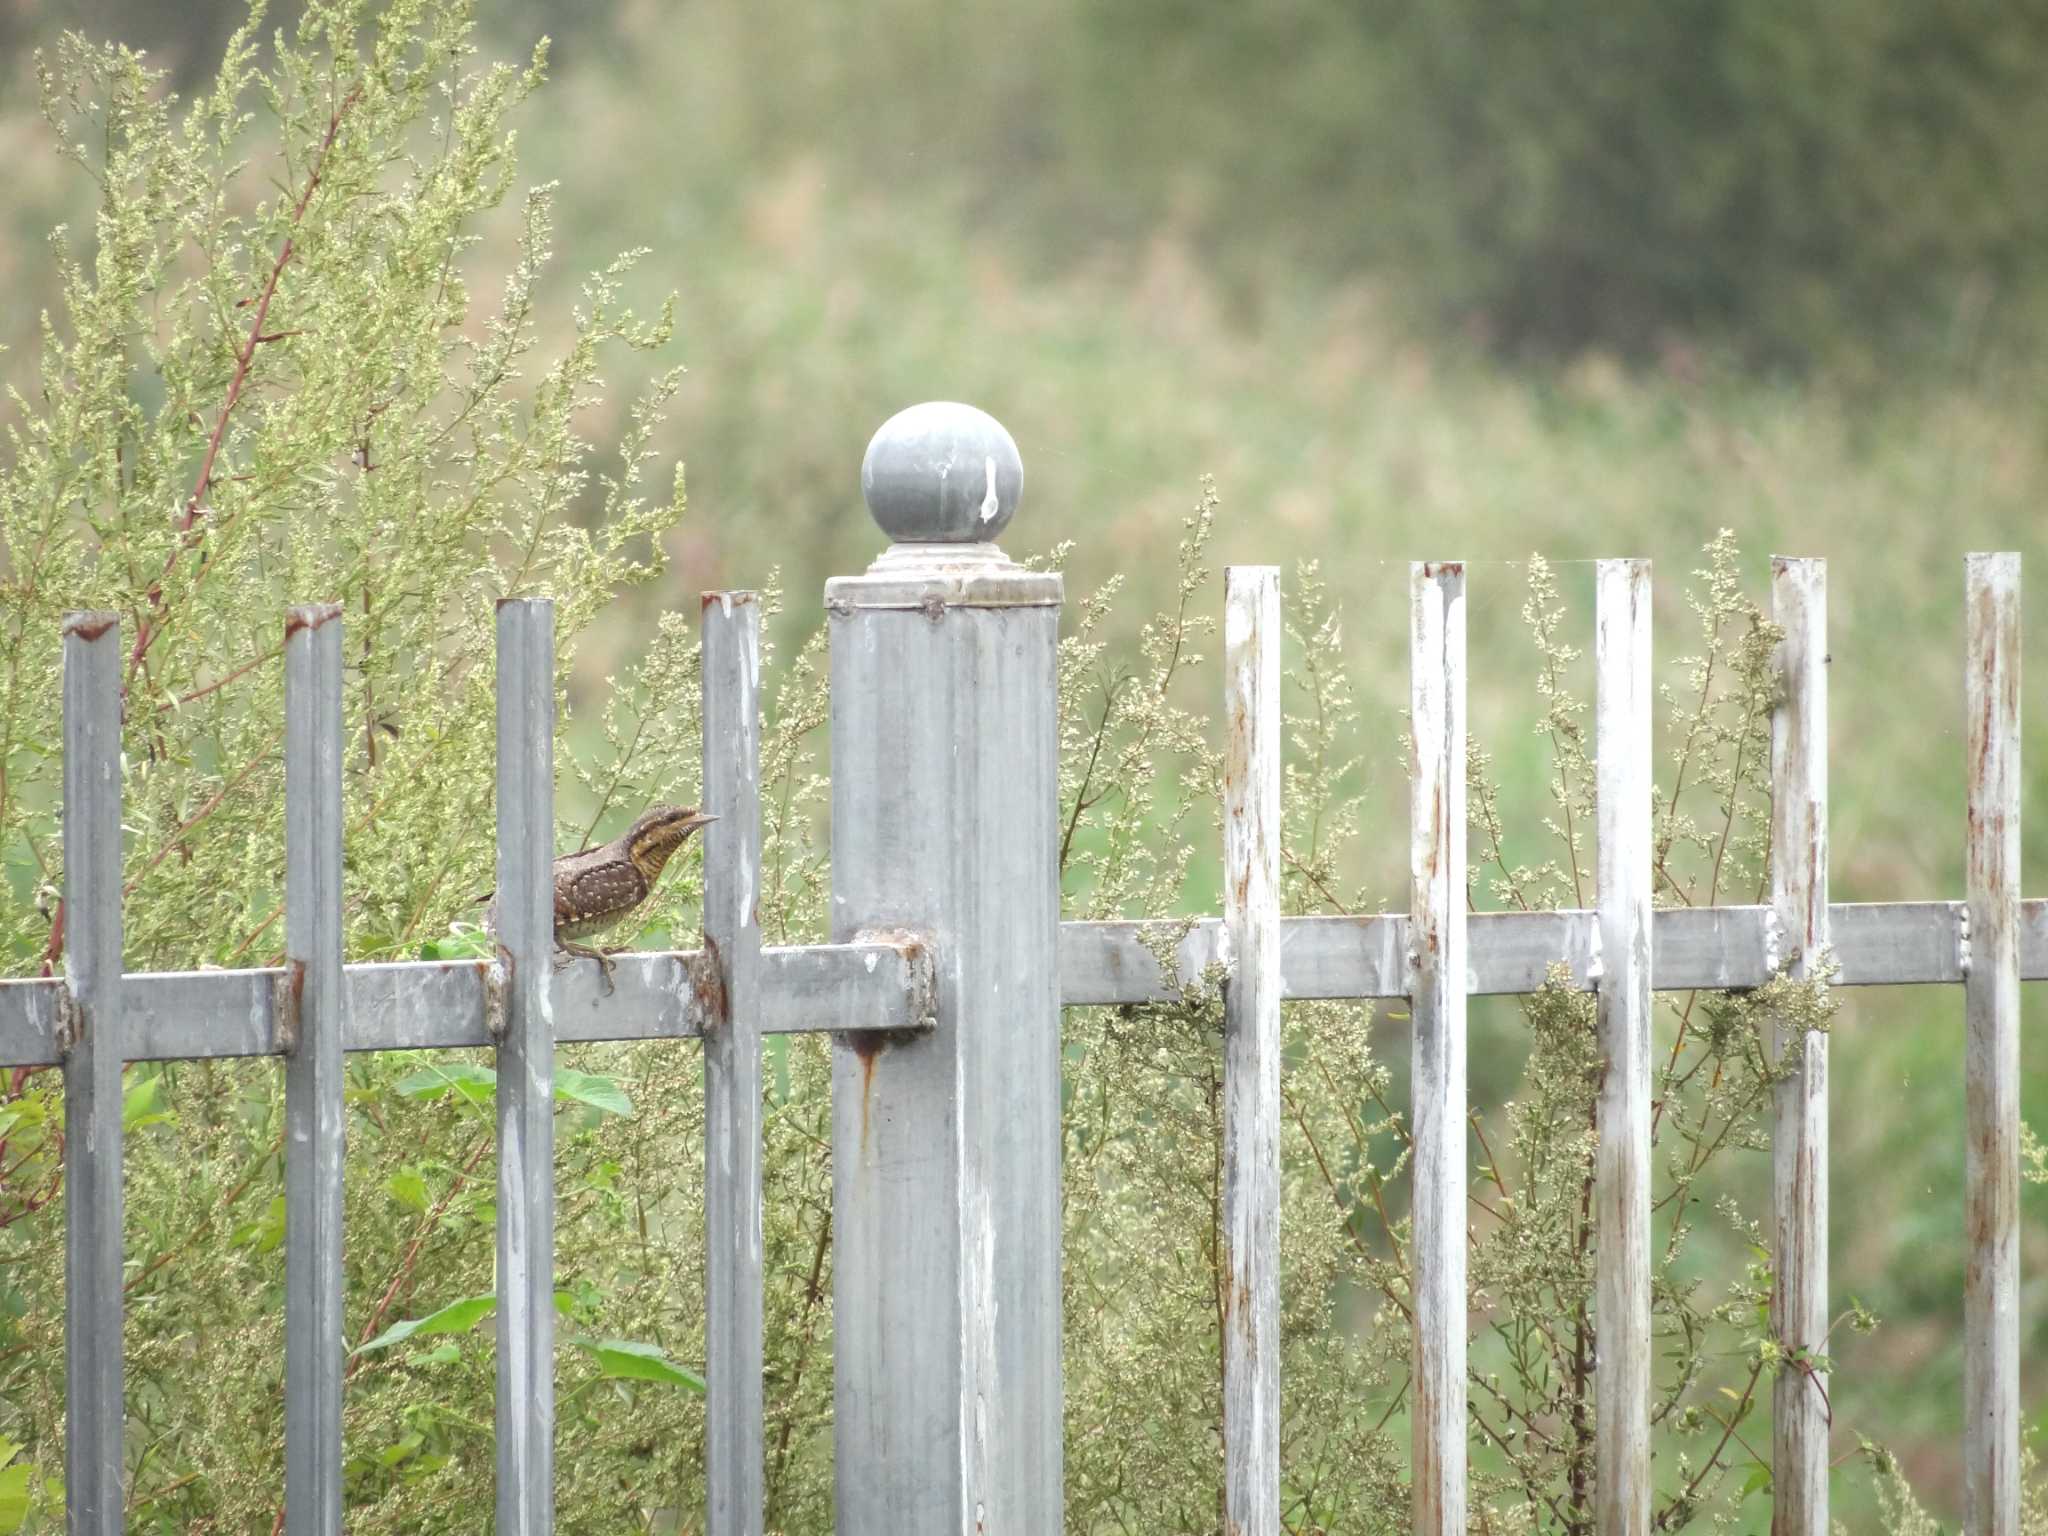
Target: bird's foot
x=603, y=957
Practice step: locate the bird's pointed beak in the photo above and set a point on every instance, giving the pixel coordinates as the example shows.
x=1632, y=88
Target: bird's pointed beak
x=699, y=820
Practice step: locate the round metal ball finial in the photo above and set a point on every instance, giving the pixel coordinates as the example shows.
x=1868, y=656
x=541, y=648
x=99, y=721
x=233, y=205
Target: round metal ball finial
x=942, y=473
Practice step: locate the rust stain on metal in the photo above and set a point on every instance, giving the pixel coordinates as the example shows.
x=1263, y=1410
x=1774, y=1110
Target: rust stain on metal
x=867, y=1047
x=707, y=986
x=869, y=1044
x=90, y=626
x=291, y=993
x=309, y=616
x=1428, y=1464
x=497, y=977
x=1237, y=1304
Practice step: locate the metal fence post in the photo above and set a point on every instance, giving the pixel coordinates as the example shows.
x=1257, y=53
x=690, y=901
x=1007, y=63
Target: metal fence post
x=1437, y=985
x=1251, y=1050
x=1799, y=1135
x=1991, y=1082
x=314, y=1086
x=91, y=1042
x=1624, y=1366
x=526, y=1067
x=732, y=1065
x=946, y=1145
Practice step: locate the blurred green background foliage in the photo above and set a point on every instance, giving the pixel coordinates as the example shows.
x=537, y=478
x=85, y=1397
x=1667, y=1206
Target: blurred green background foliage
x=1455, y=279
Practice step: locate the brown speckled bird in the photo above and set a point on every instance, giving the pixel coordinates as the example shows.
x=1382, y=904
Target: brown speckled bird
x=602, y=886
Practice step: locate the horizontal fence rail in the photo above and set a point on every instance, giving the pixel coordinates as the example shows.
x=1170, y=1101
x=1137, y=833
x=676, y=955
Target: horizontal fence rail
x=1720, y=949
x=947, y=1080
x=878, y=987
x=419, y=1005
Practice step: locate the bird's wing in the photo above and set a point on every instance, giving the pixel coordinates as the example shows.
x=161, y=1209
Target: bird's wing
x=591, y=889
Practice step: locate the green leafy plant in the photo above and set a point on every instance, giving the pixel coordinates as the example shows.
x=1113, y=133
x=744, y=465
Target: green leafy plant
x=268, y=382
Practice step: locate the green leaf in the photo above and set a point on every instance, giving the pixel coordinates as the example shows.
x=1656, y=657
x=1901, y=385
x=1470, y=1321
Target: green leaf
x=600, y=1093
x=461, y=943
x=440, y=1354
x=629, y=1360
x=408, y=1188
x=140, y=1105
x=1759, y=1477
x=477, y=1084
x=456, y=1317
x=266, y=1232
x=14, y=1496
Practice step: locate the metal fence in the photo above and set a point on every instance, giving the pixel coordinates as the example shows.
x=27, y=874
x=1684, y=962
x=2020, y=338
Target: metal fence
x=942, y=988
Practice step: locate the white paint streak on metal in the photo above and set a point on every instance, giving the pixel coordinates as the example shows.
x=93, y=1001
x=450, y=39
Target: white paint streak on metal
x=1991, y=1009
x=1251, y=1051
x=1621, y=1170
x=1438, y=973
x=1799, y=1138
x=990, y=505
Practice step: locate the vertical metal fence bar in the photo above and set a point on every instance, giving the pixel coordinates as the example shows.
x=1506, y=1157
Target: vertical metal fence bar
x=92, y=1075
x=1436, y=964
x=1799, y=1138
x=1251, y=1051
x=732, y=1063
x=1991, y=1004
x=1621, y=1375
x=314, y=1117
x=526, y=1067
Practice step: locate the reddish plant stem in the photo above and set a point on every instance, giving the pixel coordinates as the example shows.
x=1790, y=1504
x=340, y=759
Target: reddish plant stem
x=412, y=1251
x=54, y=950
x=195, y=505
x=198, y=816
x=221, y=682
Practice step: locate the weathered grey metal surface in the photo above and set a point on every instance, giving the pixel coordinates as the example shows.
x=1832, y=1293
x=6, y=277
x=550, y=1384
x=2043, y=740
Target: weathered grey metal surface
x=1711, y=948
x=315, y=1121
x=845, y=988
x=945, y=1157
x=1991, y=1009
x=942, y=473
x=526, y=1068
x=1893, y=943
x=1621, y=1159
x=1251, y=1051
x=732, y=1064
x=411, y=1004
x=93, y=1414
x=1437, y=961
x=1799, y=1135
x=422, y=1004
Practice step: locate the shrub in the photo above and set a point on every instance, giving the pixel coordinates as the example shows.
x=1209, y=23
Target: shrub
x=253, y=398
